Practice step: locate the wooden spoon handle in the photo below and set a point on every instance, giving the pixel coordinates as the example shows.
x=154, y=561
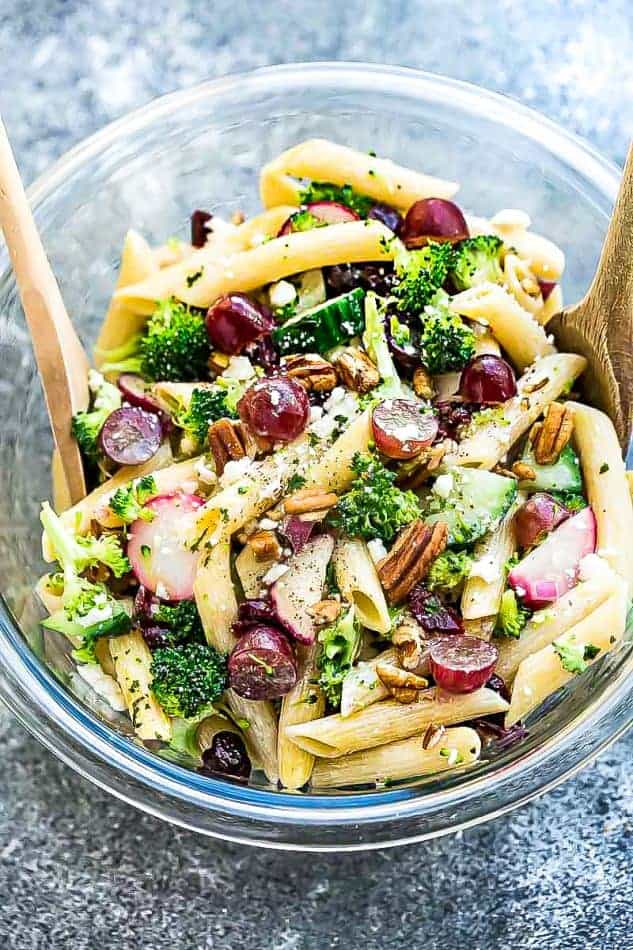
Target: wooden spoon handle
x=61, y=359
x=610, y=298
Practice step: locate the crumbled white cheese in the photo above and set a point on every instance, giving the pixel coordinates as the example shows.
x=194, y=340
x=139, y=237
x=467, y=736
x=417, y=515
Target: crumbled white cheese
x=240, y=368
x=443, y=485
x=103, y=685
x=377, y=550
x=267, y=524
x=316, y=412
x=234, y=470
x=338, y=410
x=204, y=473
x=274, y=573
x=281, y=294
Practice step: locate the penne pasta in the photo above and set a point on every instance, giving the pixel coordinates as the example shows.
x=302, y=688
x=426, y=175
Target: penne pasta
x=606, y=487
x=542, y=673
x=362, y=686
x=486, y=444
x=484, y=587
x=552, y=306
x=390, y=721
x=302, y=704
x=516, y=330
x=121, y=321
x=281, y=257
x=323, y=161
x=546, y=259
x=132, y=660
x=332, y=472
x=251, y=571
x=457, y=747
x=217, y=605
x=551, y=622
x=358, y=581
x=522, y=284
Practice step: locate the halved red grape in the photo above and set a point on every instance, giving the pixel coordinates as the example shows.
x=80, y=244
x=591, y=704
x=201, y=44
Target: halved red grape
x=539, y=515
x=199, y=230
x=253, y=613
x=433, y=218
x=487, y=380
x=547, y=287
x=131, y=436
x=262, y=664
x=326, y=212
x=461, y=664
x=135, y=391
x=235, y=320
x=277, y=408
x=227, y=756
x=432, y=614
x=160, y=559
x=387, y=215
x=402, y=428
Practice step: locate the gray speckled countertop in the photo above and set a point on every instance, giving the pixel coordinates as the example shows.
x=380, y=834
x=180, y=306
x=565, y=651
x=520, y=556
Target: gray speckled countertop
x=81, y=870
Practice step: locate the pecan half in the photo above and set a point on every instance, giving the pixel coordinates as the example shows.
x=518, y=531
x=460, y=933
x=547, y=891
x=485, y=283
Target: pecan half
x=325, y=612
x=550, y=436
x=310, y=370
x=415, y=474
x=402, y=685
x=309, y=499
x=356, y=370
x=524, y=471
x=410, y=644
x=433, y=735
x=423, y=383
x=409, y=559
x=230, y=440
x=265, y=545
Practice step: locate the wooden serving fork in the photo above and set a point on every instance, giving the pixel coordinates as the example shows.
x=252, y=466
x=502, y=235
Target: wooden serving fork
x=600, y=326
x=61, y=359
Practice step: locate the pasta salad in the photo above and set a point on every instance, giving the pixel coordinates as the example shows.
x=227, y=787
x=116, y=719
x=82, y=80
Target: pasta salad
x=348, y=522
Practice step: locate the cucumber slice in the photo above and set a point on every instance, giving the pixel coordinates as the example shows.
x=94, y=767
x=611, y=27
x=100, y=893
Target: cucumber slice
x=471, y=501
x=564, y=475
x=114, y=626
x=323, y=327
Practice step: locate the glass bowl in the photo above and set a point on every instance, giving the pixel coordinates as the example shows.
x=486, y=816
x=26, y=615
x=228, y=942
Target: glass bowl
x=203, y=148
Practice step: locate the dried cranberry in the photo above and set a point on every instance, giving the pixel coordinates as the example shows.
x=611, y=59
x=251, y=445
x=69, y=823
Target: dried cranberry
x=262, y=353
x=433, y=615
x=227, y=756
x=497, y=684
x=547, y=287
x=406, y=355
x=156, y=637
x=387, y=215
x=452, y=416
x=496, y=732
x=199, y=231
x=374, y=275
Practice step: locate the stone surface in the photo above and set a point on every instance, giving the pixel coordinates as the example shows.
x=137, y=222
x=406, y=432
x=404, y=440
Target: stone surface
x=80, y=870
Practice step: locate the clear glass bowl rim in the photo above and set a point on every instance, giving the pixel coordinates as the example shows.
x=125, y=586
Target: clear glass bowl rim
x=61, y=724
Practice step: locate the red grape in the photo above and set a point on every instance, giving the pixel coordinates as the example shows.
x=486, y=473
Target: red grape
x=131, y=436
x=461, y=664
x=387, y=215
x=235, y=320
x=539, y=515
x=199, y=230
x=402, y=428
x=262, y=664
x=487, y=380
x=433, y=218
x=277, y=408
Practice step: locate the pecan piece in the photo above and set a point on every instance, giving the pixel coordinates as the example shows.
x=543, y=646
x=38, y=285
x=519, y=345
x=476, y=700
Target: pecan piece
x=265, y=545
x=310, y=370
x=402, y=685
x=550, y=437
x=410, y=644
x=423, y=383
x=218, y=362
x=230, y=440
x=433, y=735
x=524, y=471
x=409, y=559
x=309, y=500
x=415, y=474
x=356, y=370
x=325, y=612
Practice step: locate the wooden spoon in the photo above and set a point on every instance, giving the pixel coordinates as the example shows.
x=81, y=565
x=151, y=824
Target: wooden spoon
x=61, y=359
x=600, y=326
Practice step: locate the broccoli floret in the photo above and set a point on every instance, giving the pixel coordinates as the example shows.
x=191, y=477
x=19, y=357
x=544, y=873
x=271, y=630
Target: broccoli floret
x=449, y=571
x=477, y=260
x=87, y=424
x=571, y=500
x=182, y=621
x=88, y=612
x=174, y=346
x=340, y=644
x=574, y=656
x=344, y=195
x=374, y=507
x=304, y=220
x=420, y=275
x=375, y=342
x=75, y=554
x=128, y=501
x=447, y=343
x=511, y=618
x=187, y=678
x=209, y=405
